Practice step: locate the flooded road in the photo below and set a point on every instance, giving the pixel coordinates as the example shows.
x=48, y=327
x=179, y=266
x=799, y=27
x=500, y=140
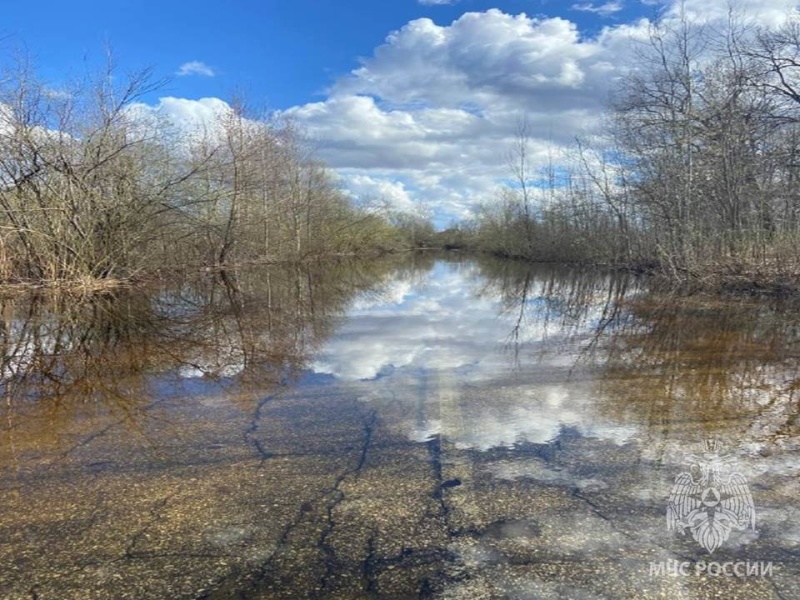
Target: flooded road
x=433, y=428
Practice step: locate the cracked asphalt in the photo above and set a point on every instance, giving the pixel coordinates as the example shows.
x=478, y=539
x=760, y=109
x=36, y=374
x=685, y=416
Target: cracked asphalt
x=320, y=495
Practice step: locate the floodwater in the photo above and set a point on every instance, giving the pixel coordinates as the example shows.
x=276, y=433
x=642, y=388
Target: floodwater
x=437, y=427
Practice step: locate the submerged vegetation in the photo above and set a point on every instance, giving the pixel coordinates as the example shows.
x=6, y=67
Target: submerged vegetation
x=698, y=177
x=95, y=187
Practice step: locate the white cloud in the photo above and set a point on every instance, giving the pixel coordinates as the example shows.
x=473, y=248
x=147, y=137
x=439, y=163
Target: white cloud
x=477, y=59
x=436, y=107
x=381, y=193
x=437, y=2
x=187, y=117
x=56, y=94
x=761, y=12
x=195, y=67
x=604, y=10
x=192, y=113
x=430, y=116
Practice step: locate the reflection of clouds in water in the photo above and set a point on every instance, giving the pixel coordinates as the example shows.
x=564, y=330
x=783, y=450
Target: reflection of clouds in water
x=368, y=346
x=391, y=293
x=424, y=341
x=212, y=367
x=428, y=326
x=226, y=357
x=537, y=470
x=437, y=324
x=24, y=342
x=510, y=415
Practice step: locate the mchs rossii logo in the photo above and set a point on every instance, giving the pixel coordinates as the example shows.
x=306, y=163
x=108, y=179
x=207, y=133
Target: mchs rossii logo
x=711, y=499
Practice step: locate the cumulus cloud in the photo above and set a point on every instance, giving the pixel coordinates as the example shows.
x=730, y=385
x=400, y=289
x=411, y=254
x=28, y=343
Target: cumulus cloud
x=604, y=10
x=429, y=117
x=477, y=59
x=195, y=67
x=187, y=117
x=436, y=107
x=382, y=193
x=761, y=12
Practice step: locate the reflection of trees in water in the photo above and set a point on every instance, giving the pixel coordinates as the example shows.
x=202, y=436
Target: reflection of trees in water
x=60, y=347
x=251, y=329
x=657, y=360
x=683, y=361
x=408, y=270
x=557, y=298
x=663, y=361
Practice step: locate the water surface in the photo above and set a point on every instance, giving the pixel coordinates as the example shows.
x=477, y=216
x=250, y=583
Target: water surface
x=435, y=428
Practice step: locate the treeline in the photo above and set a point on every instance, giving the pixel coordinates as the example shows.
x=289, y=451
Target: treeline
x=698, y=177
x=93, y=185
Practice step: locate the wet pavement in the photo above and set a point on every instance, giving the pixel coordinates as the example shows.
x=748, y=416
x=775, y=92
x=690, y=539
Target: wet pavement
x=437, y=429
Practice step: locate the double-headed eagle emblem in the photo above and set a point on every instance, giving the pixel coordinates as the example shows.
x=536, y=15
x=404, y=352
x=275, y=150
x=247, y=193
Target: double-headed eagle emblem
x=713, y=504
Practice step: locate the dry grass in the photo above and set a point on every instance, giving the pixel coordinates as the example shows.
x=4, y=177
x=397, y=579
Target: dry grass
x=78, y=287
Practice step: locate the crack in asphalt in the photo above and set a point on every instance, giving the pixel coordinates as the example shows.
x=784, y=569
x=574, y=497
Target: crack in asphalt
x=338, y=498
x=155, y=517
x=232, y=586
x=255, y=422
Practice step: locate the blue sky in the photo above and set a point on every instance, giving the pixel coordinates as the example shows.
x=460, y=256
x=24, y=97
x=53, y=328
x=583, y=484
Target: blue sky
x=279, y=52
x=414, y=103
